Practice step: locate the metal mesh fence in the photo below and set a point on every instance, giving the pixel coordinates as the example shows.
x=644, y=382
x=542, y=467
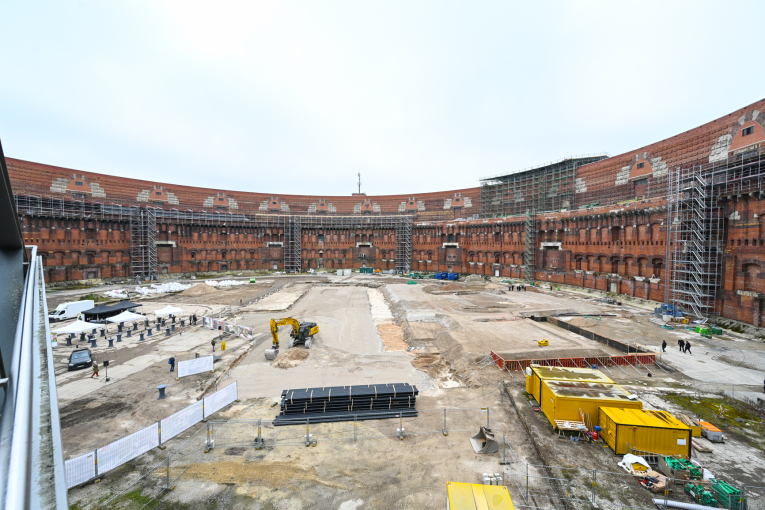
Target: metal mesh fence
x=563, y=488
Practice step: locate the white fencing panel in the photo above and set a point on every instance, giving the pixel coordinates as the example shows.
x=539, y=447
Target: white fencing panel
x=207, y=322
x=220, y=399
x=180, y=421
x=80, y=469
x=127, y=448
x=229, y=327
x=195, y=366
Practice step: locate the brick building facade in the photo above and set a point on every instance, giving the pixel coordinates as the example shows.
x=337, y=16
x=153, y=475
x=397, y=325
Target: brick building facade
x=615, y=241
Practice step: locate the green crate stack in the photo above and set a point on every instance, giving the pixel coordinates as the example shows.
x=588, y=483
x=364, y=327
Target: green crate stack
x=727, y=495
x=700, y=494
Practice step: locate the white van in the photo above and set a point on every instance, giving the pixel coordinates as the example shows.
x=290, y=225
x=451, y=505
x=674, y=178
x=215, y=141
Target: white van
x=70, y=310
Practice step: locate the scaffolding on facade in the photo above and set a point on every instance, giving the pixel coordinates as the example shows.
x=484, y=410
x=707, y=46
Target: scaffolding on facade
x=695, y=237
x=546, y=188
x=144, y=259
x=529, y=245
x=143, y=243
x=292, y=240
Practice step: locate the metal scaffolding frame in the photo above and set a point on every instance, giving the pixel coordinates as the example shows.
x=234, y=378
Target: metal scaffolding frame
x=546, y=188
x=144, y=258
x=696, y=235
x=293, y=234
x=143, y=243
x=529, y=245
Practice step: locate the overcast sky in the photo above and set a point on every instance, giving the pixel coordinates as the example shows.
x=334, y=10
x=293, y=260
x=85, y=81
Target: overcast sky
x=298, y=97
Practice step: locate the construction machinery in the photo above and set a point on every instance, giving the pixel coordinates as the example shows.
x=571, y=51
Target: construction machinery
x=302, y=334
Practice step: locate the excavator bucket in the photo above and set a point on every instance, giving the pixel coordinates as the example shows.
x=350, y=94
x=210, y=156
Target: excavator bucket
x=271, y=354
x=484, y=442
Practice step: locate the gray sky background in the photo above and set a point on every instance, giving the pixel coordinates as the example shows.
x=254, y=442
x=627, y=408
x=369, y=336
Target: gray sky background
x=297, y=97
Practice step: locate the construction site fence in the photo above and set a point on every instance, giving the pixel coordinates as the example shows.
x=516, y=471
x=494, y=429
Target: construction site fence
x=615, y=361
x=215, y=440
x=91, y=465
x=563, y=488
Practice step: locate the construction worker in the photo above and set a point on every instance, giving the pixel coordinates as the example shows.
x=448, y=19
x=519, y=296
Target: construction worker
x=212, y=342
x=663, y=346
x=95, y=369
x=681, y=344
x=171, y=361
x=688, y=347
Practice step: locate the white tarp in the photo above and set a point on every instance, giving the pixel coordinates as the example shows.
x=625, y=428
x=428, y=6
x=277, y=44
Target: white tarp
x=220, y=399
x=128, y=448
x=121, y=294
x=227, y=283
x=78, y=326
x=168, y=310
x=80, y=469
x=195, y=366
x=180, y=421
x=162, y=288
x=126, y=316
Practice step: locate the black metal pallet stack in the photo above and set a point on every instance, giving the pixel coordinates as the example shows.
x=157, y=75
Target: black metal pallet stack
x=346, y=403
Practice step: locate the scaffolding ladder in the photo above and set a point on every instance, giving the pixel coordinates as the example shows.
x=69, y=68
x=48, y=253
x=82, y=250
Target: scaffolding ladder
x=529, y=246
x=403, y=231
x=695, y=239
x=293, y=234
x=143, y=243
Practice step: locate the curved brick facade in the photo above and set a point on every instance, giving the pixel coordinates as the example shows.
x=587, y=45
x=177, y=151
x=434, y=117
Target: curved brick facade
x=616, y=240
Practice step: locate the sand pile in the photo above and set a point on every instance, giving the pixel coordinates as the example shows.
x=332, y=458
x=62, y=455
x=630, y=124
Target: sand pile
x=200, y=289
x=392, y=337
x=290, y=358
x=582, y=322
x=450, y=286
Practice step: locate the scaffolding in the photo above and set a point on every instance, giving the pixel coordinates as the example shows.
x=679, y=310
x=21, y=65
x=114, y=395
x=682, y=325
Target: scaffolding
x=143, y=243
x=292, y=238
x=143, y=250
x=529, y=246
x=696, y=235
x=546, y=188
x=403, y=244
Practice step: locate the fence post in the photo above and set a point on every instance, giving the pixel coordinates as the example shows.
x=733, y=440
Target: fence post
x=355, y=424
x=504, y=461
x=487, y=418
x=594, y=483
x=568, y=491
x=527, y=483
x=444, y=429
x=209, y=438
x=167, y=480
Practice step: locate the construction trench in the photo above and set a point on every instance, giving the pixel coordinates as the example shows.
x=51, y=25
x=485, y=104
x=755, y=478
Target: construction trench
x=378, y=330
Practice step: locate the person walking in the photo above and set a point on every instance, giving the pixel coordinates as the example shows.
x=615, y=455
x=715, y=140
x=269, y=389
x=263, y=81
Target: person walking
x=180, y=330
x=663, y=346
x=212, y=342
x=95, y=370
x=171, y=361
x=681, y=344
x=688, y=347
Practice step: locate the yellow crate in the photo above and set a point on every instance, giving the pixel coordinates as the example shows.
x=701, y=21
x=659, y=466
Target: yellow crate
x=475, y=496
x=650, y=431
x=562, y=400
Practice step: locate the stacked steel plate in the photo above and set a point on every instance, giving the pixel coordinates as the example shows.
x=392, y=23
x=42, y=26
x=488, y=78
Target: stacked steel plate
x=347, y=403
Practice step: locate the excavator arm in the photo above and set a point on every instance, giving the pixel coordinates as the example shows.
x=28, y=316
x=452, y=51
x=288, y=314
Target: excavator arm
x=286, y=321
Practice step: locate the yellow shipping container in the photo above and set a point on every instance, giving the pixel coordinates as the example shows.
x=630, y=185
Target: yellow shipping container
x=650, y=431
x=535, y=374
x=562, y=400
x=474, y=496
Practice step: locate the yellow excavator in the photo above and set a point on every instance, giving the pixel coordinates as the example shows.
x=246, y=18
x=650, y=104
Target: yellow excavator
x=302, y=334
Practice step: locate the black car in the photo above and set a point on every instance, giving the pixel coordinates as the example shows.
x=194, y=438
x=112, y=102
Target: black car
x=80, y=358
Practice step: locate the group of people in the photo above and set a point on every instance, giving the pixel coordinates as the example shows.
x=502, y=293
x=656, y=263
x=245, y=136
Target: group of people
x=517, y=288
x=685, y=346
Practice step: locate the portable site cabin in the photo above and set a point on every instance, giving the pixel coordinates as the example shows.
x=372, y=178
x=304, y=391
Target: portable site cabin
x=535, y=374
x=649, y=431
x=562, y=400
x=474, y=496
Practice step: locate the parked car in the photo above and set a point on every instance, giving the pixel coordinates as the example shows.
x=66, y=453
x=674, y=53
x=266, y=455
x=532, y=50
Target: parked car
x=80, y=358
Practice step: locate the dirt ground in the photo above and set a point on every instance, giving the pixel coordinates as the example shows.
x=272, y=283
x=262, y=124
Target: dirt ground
x=378, y=329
